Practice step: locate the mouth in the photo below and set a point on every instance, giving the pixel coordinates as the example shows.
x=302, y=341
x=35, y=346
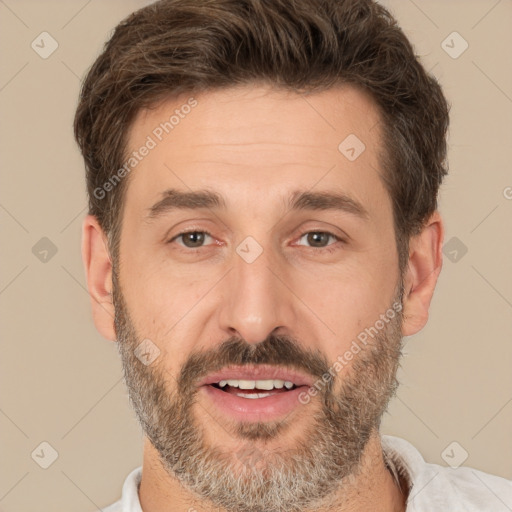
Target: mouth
x=254, y=388
x=256, y=393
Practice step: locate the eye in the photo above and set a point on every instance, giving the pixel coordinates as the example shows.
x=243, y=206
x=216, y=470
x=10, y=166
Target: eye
x=191, y=239
x=319, y=239
x=196, y=239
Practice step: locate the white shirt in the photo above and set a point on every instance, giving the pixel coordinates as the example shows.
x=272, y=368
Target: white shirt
x=432, y=488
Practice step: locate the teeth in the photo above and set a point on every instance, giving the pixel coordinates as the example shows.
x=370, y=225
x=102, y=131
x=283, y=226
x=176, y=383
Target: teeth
x=267, y=384
x=253, y=395
x=247, y=384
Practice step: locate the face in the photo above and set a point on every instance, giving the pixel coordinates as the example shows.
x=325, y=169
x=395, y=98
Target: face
x=256, y=256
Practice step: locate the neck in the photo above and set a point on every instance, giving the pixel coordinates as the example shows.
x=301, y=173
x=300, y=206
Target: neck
x=372, y=487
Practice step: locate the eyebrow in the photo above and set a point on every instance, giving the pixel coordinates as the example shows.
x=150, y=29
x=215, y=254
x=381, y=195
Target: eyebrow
x=327, y=201
x=174, y=199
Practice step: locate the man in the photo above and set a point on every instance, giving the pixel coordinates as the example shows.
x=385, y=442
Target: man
x=263, y=230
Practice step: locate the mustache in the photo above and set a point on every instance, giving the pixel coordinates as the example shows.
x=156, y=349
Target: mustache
x=278, y=350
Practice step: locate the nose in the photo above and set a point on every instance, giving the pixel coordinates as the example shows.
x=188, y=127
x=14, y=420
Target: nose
x=257, y=299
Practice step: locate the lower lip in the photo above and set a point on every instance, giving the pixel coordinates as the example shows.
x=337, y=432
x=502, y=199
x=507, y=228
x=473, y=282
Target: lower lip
x=254, y=409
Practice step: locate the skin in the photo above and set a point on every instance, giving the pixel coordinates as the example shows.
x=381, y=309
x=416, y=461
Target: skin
x=254, y=146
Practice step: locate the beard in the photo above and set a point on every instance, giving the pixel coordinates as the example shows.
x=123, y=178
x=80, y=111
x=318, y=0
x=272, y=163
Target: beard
x=253, y=479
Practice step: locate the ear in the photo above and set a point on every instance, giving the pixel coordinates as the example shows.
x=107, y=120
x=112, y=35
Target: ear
x=98, y=270
x=423, y=269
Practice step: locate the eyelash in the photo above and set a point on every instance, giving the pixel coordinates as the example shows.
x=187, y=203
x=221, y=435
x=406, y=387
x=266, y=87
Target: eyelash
x=327, y=248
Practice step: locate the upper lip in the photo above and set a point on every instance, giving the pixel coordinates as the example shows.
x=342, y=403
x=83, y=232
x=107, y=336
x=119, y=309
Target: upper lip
x=257, y=372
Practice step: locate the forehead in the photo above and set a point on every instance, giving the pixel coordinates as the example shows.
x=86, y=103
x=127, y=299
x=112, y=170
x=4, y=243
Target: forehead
x=257, y=140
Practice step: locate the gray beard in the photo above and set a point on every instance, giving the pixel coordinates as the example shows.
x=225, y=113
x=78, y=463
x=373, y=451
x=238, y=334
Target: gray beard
x=252, y=478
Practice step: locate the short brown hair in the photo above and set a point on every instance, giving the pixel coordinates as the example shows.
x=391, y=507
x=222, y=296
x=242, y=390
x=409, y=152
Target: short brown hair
x=172, y=47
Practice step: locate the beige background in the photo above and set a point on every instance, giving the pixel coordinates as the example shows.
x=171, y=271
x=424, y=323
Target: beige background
x=62, y=383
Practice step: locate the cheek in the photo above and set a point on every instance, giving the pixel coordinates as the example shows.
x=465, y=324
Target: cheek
x=159, y=305
x=358, y=286
x=348, y=303
x=159, y=292
x=164, y=307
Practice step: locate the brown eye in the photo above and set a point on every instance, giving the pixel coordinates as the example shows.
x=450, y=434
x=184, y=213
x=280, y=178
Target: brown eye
x=318, y=239
x=192, y=239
